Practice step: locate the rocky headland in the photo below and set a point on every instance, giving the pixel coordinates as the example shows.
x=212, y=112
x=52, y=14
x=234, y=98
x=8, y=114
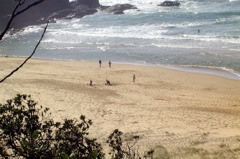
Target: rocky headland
x=55, y=9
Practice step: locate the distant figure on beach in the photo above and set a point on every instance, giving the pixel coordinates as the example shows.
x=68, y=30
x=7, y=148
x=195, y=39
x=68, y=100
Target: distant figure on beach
x=109, y=64
x=100, y=63
x=134, y=78
x=198, y=31
x=90, y=83
x=108, y=83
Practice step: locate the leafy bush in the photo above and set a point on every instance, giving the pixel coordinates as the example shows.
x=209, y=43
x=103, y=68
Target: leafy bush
x=123, y=151
x=115, y=142
x=26, y=131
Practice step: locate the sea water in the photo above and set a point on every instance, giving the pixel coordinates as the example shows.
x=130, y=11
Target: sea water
x=198, y=34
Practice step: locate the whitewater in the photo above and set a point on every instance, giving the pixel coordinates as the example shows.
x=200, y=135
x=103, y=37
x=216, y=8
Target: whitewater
x=197, y=35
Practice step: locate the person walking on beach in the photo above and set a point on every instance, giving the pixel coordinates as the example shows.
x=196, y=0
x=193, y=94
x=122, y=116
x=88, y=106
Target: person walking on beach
x=134, y=78
x=100, y=63
x=109, y=64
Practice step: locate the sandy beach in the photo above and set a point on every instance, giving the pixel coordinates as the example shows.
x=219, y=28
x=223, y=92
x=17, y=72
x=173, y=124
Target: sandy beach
x=163, y=107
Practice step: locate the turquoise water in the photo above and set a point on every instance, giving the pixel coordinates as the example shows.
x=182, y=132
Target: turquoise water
x=154, y=35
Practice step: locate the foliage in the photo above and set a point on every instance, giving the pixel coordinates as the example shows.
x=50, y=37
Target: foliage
x=71, y=137
x=27, y=132
x=120, y=150
x=115, y=142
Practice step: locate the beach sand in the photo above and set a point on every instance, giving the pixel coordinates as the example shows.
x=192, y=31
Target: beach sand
x=163, y=107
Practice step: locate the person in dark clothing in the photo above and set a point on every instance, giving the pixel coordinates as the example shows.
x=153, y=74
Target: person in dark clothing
x=108, y=83
x=134, y=78
x=90, y=83
x=100, y=63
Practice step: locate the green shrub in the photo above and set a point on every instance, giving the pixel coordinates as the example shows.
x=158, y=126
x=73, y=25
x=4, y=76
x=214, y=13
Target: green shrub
x=26, y=131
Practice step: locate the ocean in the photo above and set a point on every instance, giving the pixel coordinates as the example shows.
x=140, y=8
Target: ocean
x=199, y=36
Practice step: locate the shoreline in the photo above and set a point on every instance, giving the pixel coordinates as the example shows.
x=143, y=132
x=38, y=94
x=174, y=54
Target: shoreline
x=205, y=70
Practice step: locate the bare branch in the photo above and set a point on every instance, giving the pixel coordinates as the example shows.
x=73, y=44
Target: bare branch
x=10, y=21
x=15, y=70
x=15, y=14
x=28, y=7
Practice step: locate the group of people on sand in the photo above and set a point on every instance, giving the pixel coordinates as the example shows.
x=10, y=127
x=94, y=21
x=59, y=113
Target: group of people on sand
x=108, y=83
x=109, y=63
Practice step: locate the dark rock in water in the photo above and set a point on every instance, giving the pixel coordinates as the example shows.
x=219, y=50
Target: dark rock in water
x=89, y=3
x=66, y=13
x=82, y=10
x=118, y=12
x=54, y=9
x=117, y=8
x=102, y=8
x=169, y=4
x=76, y=12
x=48, y=9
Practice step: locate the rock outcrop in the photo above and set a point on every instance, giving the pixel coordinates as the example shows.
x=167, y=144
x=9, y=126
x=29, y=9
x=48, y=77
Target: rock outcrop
x=89, y=3
x=77, y=10
x=46, y=10
x=54, y=9
x=117, y=8
x=169, y=4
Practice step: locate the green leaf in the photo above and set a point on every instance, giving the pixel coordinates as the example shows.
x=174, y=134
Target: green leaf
x=64, y=156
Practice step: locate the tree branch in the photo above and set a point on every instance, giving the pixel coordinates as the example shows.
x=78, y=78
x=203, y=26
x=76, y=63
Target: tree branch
x=15, y=14
x=10, y=21
x=15, y=70
x=28, y=7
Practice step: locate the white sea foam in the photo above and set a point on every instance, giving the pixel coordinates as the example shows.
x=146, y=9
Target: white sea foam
x=141, y=31
x=60, y=41
x=31, y=29
x=60, y=48
x=103, y=48
x=175, y=46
